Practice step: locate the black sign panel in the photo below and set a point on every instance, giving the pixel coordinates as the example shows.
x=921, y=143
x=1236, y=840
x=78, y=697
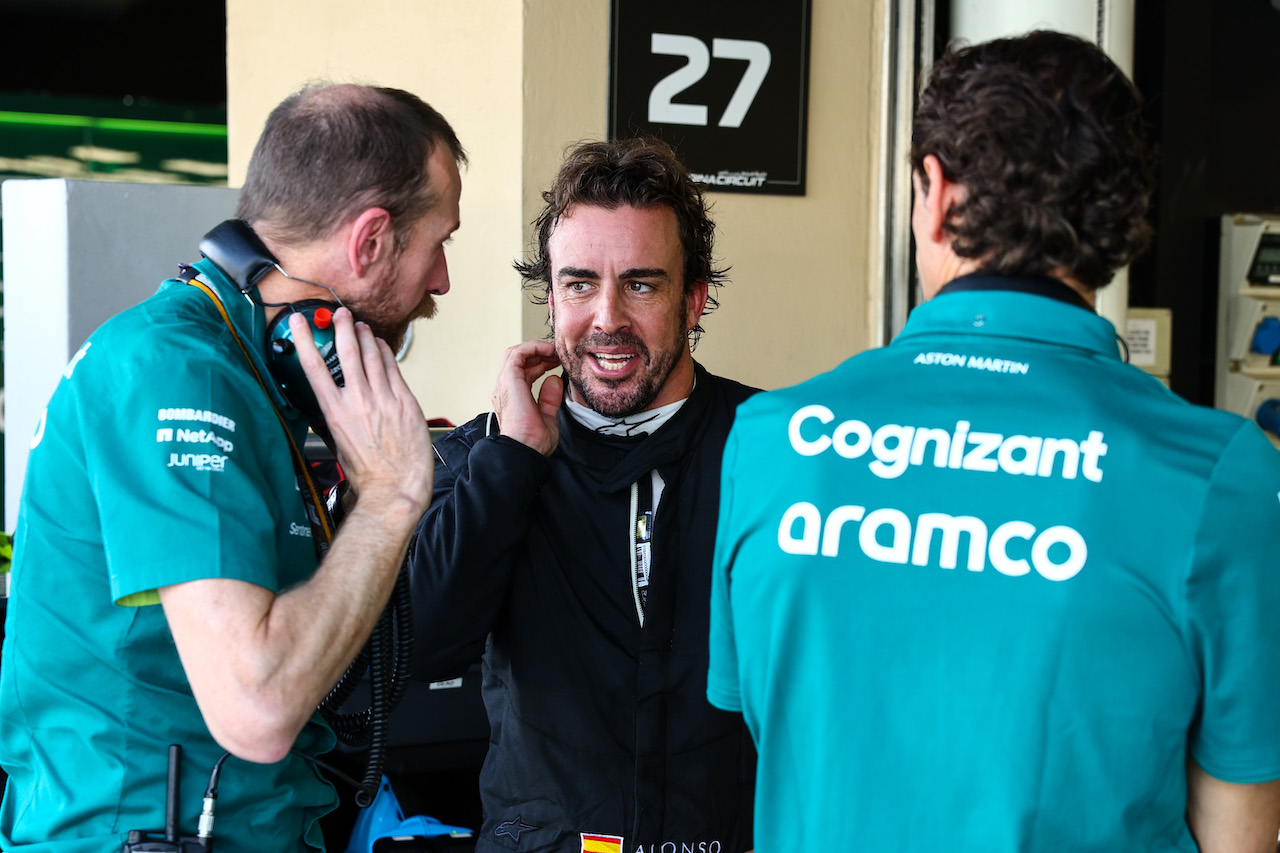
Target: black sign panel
x=726, y=82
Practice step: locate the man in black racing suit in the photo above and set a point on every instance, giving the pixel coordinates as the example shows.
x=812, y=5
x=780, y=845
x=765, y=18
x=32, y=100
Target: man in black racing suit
x=572, y=543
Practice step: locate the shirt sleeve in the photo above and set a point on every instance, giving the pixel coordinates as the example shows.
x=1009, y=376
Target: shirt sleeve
x=468, y=545
x=722, y=673
x=180, y=469
x=1233, y=601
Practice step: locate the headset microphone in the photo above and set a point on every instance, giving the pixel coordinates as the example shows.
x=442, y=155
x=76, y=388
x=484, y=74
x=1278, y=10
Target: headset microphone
x=240, y=254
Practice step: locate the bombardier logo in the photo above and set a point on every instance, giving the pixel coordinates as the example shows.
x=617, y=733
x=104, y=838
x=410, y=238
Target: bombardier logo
x=201, y=415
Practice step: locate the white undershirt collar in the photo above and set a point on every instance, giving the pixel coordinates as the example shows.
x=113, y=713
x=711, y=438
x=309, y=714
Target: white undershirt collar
x=641, y=423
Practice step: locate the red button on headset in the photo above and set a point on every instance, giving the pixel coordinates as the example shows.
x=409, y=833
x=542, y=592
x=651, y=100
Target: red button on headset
x=323, y=318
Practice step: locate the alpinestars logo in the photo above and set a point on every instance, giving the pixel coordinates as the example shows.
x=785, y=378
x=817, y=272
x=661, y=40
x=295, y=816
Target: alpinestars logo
x=513, y=829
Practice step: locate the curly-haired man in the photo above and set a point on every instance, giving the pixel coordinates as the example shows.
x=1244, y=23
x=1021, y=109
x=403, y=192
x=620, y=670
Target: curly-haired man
x=576, y=539
x=986, y=589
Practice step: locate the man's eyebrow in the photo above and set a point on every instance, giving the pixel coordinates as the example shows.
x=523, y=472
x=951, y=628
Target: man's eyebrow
x=576, y=272
x=643, y=272
x=634, y=272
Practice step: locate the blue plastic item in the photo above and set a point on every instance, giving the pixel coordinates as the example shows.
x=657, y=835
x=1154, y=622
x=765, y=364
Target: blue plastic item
x=385, y=819
x=1268, y=415
x=1266, y=338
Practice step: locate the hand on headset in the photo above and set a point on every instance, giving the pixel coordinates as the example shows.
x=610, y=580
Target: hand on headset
x=378, y=429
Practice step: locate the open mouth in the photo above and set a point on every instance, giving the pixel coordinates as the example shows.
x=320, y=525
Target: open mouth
x=610, y=362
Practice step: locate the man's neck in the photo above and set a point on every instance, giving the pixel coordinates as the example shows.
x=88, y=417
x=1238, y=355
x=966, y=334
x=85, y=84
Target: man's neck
x=1088, y=294
x=640, y=423
x=275, y=289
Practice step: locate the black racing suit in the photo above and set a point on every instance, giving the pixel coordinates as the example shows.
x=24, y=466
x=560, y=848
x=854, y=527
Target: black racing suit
x=598, y=725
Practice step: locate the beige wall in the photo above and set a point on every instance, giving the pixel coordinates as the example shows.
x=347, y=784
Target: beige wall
x=521, y=80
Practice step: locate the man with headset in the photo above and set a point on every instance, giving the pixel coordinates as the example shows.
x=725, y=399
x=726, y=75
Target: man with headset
x=576, y=539
x=168, y=584
x=989, y=588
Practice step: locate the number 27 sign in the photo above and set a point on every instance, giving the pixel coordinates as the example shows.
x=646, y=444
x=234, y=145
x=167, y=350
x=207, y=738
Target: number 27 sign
x=726, y=83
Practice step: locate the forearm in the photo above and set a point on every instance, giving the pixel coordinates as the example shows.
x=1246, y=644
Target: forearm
x=1232, y=818
x=313, y=631
x=259, y=663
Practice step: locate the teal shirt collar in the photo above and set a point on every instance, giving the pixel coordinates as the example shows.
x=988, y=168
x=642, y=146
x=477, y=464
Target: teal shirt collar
x=1010, y=307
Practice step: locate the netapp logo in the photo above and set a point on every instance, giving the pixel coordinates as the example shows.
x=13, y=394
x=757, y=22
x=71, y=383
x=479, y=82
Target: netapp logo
x=897, y=446
x=194, y=436
x=1056, y=553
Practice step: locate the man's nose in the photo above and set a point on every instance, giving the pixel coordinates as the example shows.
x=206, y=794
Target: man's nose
x=611, y=309
x=438, y=283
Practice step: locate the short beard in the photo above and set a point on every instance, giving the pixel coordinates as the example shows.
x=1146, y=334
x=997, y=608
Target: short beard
x=640, y=396
x=394, y=331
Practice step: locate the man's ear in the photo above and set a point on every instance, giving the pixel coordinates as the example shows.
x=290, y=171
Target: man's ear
x=935, y=201
x=695, y=300
x=370, y=240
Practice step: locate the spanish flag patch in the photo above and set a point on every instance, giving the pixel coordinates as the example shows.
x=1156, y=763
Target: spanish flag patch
x=601, y=843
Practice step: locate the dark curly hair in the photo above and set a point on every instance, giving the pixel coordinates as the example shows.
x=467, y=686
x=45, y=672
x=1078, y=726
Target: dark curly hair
x=639, y=172
x=1046, y=136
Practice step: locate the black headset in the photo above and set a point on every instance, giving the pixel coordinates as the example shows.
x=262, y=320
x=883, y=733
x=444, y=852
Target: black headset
x=240, y=254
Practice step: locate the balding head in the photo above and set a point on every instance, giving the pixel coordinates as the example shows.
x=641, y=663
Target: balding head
x=329, y=152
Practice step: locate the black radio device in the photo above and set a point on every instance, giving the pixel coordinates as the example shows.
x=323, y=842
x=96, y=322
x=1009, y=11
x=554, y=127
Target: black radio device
x=142, y=841
x=236, y=250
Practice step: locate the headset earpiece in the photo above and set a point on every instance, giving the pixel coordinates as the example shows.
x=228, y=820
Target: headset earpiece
x=240, y=254
x=282, y=356
x=237, y=250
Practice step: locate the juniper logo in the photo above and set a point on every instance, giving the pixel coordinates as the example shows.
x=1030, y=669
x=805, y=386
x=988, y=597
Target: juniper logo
x=198, y=461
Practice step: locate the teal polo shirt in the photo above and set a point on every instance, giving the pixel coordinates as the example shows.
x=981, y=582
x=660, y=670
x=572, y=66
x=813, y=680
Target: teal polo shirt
x=158, y=461
x=984, y=589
